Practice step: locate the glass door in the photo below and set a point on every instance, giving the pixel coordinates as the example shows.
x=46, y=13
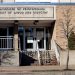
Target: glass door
x=29, y=39
x=35, y=39
x=32, y=38
x=40, y=39
x=21, y=37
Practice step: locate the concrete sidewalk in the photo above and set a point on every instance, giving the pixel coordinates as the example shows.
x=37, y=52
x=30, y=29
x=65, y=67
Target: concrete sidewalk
x=42, y=73
x=25, y=69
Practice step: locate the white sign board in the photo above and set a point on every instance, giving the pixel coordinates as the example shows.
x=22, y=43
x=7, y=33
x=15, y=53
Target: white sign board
x=20, y=12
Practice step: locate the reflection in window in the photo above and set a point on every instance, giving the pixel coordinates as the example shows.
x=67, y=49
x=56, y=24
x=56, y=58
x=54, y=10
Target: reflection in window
x=29, y=38
x=40, y=37
x=21, y=35
x=48, y=39
x=10, y=31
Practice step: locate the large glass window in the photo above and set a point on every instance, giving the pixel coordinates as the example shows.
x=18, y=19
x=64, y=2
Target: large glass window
x=11, y=31
x=3, y=31
x=6, y=38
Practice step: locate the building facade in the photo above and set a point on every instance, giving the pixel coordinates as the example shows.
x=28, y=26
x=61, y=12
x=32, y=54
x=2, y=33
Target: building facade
x=31, y=32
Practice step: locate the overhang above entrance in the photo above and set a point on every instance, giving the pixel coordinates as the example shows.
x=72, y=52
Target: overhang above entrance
x=5, y=23
x=27, y=12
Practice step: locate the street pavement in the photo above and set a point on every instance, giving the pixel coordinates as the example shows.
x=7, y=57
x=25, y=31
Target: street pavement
x=36, y=70
x=43, y=73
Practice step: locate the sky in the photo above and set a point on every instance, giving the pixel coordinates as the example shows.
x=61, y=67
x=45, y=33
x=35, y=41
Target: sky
x=36, y=0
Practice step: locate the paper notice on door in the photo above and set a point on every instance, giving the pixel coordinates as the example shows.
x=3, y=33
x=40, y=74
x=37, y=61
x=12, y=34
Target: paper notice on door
x=29, y=41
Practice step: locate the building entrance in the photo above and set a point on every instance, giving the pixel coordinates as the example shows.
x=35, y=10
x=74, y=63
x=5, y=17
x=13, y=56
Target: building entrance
x=32, y=39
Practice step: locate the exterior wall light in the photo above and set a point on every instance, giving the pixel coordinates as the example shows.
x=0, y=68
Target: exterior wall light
x=35, y=22
x=16, y=22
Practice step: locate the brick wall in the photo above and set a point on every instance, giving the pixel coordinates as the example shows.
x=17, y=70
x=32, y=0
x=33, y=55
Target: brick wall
x=58, y=31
